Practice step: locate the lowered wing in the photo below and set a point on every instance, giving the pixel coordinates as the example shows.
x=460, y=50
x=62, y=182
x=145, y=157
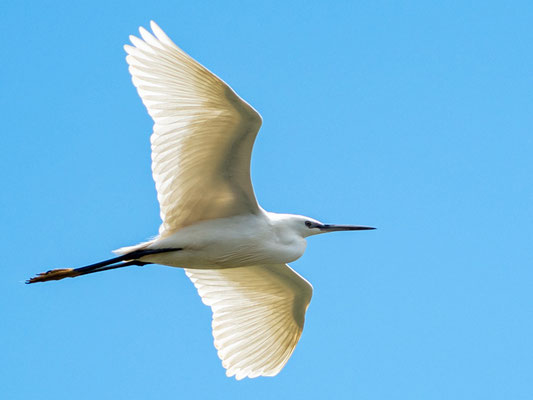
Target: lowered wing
x=258, y=315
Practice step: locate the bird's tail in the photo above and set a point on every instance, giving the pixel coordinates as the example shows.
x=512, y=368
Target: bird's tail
x=130, y=249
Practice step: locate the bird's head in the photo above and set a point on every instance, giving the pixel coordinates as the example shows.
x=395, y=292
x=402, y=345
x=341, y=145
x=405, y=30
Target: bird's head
x=306, y=226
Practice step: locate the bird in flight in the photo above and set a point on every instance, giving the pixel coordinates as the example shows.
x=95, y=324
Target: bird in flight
x=233, y=251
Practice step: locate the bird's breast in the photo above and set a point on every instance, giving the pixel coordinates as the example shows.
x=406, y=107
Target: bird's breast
x=244, y=248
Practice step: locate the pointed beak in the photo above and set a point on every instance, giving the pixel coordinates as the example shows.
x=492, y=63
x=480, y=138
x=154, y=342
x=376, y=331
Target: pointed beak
x=335, y=228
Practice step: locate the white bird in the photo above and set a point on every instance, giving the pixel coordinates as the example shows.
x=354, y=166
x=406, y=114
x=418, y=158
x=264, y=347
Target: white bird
x=234, y=252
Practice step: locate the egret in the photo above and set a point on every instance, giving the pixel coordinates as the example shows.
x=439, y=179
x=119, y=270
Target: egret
x=233, y=251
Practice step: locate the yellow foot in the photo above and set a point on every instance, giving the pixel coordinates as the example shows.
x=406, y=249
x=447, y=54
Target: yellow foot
x=54, y=275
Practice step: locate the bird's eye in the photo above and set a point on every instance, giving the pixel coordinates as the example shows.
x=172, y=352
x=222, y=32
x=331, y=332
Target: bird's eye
x=309, y=224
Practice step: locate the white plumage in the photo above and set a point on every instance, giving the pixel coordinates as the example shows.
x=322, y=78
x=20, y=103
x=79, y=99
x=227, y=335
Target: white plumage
x=233, y=251
x=258, y=315
x=201, y=150
x=203, y=134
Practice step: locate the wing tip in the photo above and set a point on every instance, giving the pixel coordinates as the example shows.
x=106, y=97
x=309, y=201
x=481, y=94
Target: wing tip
x=147, y=36
x=133, y=39
x=240, y=373
x=129, y=49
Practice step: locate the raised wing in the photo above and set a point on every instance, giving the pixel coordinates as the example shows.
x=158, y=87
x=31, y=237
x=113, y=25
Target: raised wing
x=203, y=134
x=258, y=315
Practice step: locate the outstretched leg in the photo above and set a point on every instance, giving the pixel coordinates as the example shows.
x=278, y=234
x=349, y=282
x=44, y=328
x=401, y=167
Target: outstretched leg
x=125, y=260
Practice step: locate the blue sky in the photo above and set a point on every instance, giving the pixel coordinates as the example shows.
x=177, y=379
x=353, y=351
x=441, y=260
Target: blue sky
x=415, y=117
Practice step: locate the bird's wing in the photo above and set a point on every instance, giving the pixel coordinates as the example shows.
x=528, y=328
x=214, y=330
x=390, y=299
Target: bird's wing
x=258, y=315
x=203, y=134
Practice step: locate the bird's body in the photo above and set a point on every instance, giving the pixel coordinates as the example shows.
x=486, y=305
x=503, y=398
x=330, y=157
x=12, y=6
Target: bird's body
x=238, y=241
x=234, y=252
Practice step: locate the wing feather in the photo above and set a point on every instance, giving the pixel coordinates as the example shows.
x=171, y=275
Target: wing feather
x=202, y=137
x=258, y=315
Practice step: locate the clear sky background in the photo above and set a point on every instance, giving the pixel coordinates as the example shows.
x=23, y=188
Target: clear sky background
x=414, y=117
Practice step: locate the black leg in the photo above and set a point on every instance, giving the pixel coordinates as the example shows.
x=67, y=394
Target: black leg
x=125, y=260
